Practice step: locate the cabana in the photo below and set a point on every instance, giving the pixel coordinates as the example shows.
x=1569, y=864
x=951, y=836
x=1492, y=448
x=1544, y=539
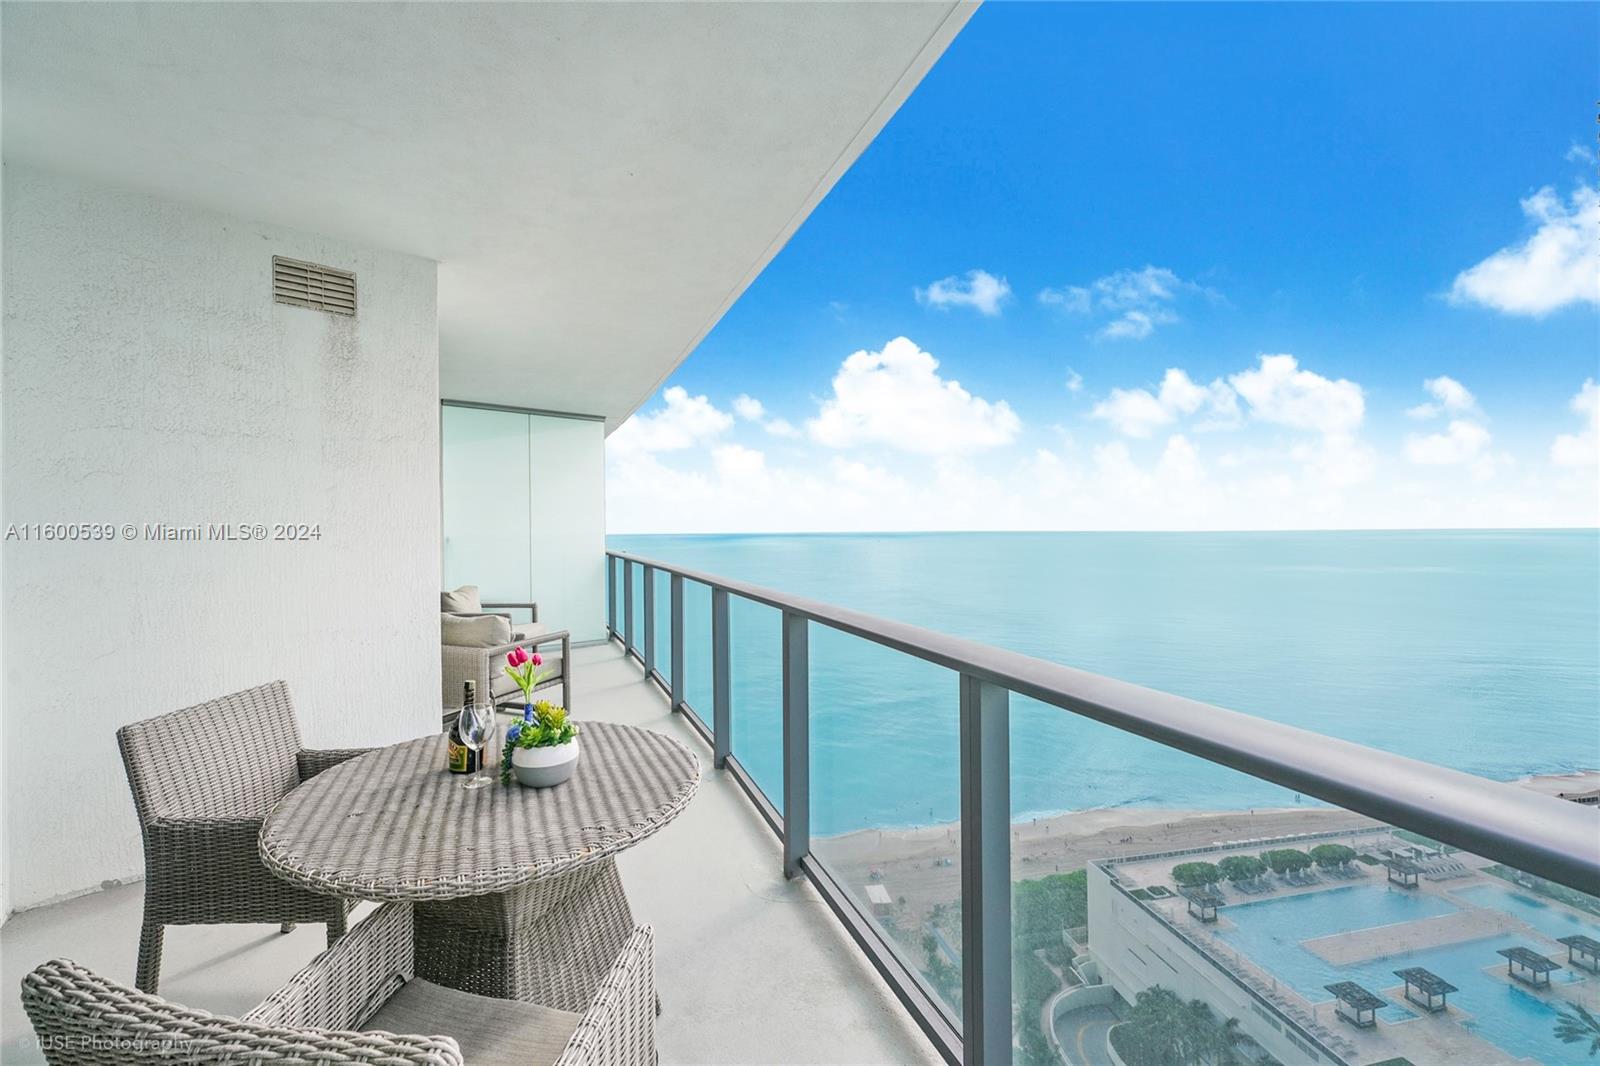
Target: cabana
x=1355, y=1004
x=1582, y=951
x=1203, y=904
x=1402, y=871
x=1429, y=986
x=1528, y=966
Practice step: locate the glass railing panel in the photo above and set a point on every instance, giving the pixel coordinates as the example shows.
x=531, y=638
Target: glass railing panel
x=614, y=568
x=886, y=797
x=697, y=649
x=755, y=683
x=637, y=572
x=1187, y=912
x=663, y=624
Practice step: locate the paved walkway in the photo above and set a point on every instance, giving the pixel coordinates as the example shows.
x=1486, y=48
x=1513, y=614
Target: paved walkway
x=1082, y=1036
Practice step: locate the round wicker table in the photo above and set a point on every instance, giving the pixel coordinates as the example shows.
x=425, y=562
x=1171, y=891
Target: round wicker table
x=515, y=890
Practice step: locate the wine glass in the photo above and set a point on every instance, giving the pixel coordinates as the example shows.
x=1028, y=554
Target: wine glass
x=476, y=726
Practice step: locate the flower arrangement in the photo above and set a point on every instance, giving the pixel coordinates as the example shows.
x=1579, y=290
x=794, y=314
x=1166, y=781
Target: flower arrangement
x=523, y=668
x=543, y=725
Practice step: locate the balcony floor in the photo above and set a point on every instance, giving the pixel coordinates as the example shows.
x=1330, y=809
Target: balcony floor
x=751, y=967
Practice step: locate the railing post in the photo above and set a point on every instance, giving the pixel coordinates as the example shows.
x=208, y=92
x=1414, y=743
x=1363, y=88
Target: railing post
x=627, y=605
x=985, y=873
x=796, y=743
x=677, y=642
x=721, y=694
x=611, y=596
x=649, y=620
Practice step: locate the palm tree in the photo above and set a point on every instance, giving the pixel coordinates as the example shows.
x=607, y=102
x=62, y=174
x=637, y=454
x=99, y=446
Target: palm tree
x=1575, y=1025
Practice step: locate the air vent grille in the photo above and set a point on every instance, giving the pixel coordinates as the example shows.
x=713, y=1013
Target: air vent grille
x=320, y=288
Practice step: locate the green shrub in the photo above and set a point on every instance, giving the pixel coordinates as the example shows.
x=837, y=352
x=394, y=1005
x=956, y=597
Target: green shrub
x=1286, y=860
x=1196, y=874
x=1238, y=868
x=1328, y=855
x=1042, y=907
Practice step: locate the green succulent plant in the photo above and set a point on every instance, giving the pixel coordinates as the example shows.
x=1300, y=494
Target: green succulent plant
x=543, y=725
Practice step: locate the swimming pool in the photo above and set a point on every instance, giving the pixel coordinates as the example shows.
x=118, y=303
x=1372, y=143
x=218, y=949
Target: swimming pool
x=1271, y=931
x=1551, y=919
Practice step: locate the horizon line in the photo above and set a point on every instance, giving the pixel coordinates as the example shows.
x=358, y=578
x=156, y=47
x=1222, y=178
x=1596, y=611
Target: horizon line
x=977, y=532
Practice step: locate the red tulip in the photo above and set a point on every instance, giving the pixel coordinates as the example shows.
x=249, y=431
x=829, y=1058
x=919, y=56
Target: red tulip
x=538, y=660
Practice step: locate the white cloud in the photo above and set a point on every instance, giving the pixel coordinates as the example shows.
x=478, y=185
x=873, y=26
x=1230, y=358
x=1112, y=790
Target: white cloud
x=1073, y=299
x=1581, y=449
x=1557, y=266
x=1580, y=153
x=1137, y=301
x=751, y=409
x=780, y=427
x=1299, y=463
x=1139, y=412
x=1282, y=394
x=1464, y=441
x=1074, y=381
x=736, y=463
x=1449, y=397
x=1461, y=442
x=978, y=289
x=896, y=398
x=683, y=422
x=1136, y=325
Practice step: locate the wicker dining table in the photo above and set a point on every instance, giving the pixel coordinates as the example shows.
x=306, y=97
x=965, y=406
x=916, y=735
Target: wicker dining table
x=515, y=890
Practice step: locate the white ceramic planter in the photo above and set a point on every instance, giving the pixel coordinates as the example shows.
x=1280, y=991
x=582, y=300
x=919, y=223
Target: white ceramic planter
x=543, y=767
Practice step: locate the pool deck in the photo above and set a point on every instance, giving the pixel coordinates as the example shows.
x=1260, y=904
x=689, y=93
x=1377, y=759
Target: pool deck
x=1364, y=945
x=1422, y=1037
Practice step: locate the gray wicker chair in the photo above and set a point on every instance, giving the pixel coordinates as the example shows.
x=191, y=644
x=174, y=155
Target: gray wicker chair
x=203, y=778
x=486, y=667
x=342, y=1008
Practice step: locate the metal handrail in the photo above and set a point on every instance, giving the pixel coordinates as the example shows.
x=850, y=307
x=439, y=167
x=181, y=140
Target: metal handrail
x=1540, y=834
x=1536, y=833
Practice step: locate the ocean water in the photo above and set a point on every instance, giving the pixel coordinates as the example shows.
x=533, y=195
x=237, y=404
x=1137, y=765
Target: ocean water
x=1478, y=650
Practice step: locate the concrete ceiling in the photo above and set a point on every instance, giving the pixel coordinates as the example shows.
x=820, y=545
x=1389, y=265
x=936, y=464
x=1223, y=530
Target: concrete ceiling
x=598, y=182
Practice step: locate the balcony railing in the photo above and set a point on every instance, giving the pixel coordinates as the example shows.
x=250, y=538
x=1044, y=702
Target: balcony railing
x=1531, y=832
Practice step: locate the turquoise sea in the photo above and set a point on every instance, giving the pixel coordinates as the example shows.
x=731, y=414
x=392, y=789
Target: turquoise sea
x=1478, y=650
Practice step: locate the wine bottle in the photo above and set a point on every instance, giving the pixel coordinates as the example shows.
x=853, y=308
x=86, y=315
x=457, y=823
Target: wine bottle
x=462, y=759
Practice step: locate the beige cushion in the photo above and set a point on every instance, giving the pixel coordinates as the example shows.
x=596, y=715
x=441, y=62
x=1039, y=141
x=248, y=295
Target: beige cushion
x=464, y=600
x=491, y=1032
x=474, y=631
x=528, y=630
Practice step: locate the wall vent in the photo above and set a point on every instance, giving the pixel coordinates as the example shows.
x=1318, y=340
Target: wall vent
x=320, y=288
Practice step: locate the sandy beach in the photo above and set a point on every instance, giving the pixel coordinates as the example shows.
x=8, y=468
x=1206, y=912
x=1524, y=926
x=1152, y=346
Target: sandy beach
x=1554, y=784
x=910, y=863
x=919, y=865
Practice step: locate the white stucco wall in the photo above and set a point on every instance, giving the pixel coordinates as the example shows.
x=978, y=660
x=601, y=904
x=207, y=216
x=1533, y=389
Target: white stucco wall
x=148, y=378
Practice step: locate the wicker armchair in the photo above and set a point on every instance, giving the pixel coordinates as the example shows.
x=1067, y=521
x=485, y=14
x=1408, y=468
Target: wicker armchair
x=203, y=778
x=340, y=1009
x=486, y=667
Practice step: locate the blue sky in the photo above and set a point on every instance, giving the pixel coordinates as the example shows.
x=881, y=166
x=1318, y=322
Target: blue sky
x=1191, y=267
